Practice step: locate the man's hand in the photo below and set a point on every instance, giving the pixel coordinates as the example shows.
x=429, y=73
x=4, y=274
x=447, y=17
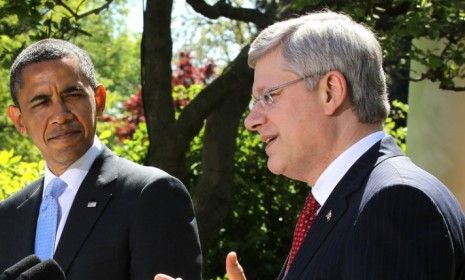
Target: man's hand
x=164, y=277
x=233, y=268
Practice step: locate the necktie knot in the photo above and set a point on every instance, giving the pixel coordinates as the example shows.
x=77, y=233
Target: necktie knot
x=55, y=187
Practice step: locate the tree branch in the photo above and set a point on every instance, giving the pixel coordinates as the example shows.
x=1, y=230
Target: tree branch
x=221, y=8
x=193, y=116
x=430, y=75
x=79, y=16
x=451, y=87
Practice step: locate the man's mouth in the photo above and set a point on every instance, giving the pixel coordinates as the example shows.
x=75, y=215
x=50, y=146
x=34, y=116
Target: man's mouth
x=268, y=139
x=63, y=134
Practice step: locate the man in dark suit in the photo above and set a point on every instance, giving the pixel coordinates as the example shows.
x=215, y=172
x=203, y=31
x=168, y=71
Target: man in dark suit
x=378, y=215
x=320, y=100
x=113, y=219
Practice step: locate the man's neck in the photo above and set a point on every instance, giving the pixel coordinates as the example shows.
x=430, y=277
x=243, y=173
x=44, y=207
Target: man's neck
x=342, y=139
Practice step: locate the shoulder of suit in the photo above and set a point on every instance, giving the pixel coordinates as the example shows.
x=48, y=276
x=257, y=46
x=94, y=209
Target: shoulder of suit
x=400, y=170
x=401, y=175
x=21, y=195
x=137, y=173
x=127, y=166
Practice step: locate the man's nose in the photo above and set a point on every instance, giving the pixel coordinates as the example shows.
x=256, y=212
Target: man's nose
x=254, y=119
x=61, y=113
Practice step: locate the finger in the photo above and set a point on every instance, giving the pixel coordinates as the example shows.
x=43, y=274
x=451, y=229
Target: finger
x=164, y=277
x=233, y=268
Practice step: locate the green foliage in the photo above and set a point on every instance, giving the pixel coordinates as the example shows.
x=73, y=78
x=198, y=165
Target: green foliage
x=182, y=95
x=16, y=173
x=395, y=124
x=194, y=159
x=134, y=148
x=114, y=52
x=265, y=208
x=188, y=93
x=25, y=21
x=4, y=96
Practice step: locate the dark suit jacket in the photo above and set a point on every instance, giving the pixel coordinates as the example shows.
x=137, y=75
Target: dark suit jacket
x=143, y=224
x=386, y=219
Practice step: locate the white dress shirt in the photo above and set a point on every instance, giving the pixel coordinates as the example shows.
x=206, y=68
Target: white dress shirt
x=73, y=176
x=331, y=176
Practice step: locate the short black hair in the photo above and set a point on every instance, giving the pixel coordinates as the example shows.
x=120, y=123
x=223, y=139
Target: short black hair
x=49, y=49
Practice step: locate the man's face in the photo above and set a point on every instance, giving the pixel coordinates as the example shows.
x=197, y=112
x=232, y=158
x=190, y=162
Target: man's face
x=291, y=127
x=57, y=108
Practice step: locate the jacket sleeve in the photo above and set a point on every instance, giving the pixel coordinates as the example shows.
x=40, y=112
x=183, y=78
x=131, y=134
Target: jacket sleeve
x=164, y=235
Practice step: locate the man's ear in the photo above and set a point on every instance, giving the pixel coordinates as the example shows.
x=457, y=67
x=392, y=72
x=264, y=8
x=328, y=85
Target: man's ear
x=336, y=93
x=100, y=99
x=14, y=113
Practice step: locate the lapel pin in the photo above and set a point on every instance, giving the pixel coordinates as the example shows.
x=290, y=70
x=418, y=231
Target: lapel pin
x=91, y=204
x=329, y=215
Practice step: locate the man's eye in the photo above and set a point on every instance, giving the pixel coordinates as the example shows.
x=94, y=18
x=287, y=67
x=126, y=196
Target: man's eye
x=268, y=97
x=75, y=93
x=39, y=103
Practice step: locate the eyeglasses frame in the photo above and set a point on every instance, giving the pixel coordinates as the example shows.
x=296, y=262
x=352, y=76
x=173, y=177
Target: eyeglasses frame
x=266, y=98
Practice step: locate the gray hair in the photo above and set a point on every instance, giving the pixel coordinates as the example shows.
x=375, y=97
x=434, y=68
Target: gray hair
x=49, y=49
x=319, y=42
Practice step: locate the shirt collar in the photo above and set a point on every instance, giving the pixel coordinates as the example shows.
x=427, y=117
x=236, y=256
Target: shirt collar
x=74, y=175
x=339, y=167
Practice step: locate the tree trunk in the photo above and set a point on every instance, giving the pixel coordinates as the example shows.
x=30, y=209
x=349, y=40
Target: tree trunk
x=220, y=104
x=213, y=196
x=166, y=150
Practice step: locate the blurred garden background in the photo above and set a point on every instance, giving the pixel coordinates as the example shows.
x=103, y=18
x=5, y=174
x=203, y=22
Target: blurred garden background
x=179, y=88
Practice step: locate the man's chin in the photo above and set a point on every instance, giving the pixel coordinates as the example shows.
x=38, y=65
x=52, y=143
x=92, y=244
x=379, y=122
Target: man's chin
x=65, y=157
x=274, y=167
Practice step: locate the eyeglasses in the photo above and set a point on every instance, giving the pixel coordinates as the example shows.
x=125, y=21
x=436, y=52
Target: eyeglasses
x=266, y=98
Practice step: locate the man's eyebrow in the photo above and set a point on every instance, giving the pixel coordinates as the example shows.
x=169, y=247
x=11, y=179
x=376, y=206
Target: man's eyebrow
x=258, y=91
x=43, y=96
x=71, y=88
x=39, y=97
x=263, y=90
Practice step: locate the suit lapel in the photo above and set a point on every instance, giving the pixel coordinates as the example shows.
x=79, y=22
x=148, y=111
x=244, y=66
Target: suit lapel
x=26, y=221
x=337, y=203
x=283, y=270
x=82, y=218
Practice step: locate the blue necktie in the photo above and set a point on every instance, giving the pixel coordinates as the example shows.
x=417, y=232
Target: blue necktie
x=49, y=216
